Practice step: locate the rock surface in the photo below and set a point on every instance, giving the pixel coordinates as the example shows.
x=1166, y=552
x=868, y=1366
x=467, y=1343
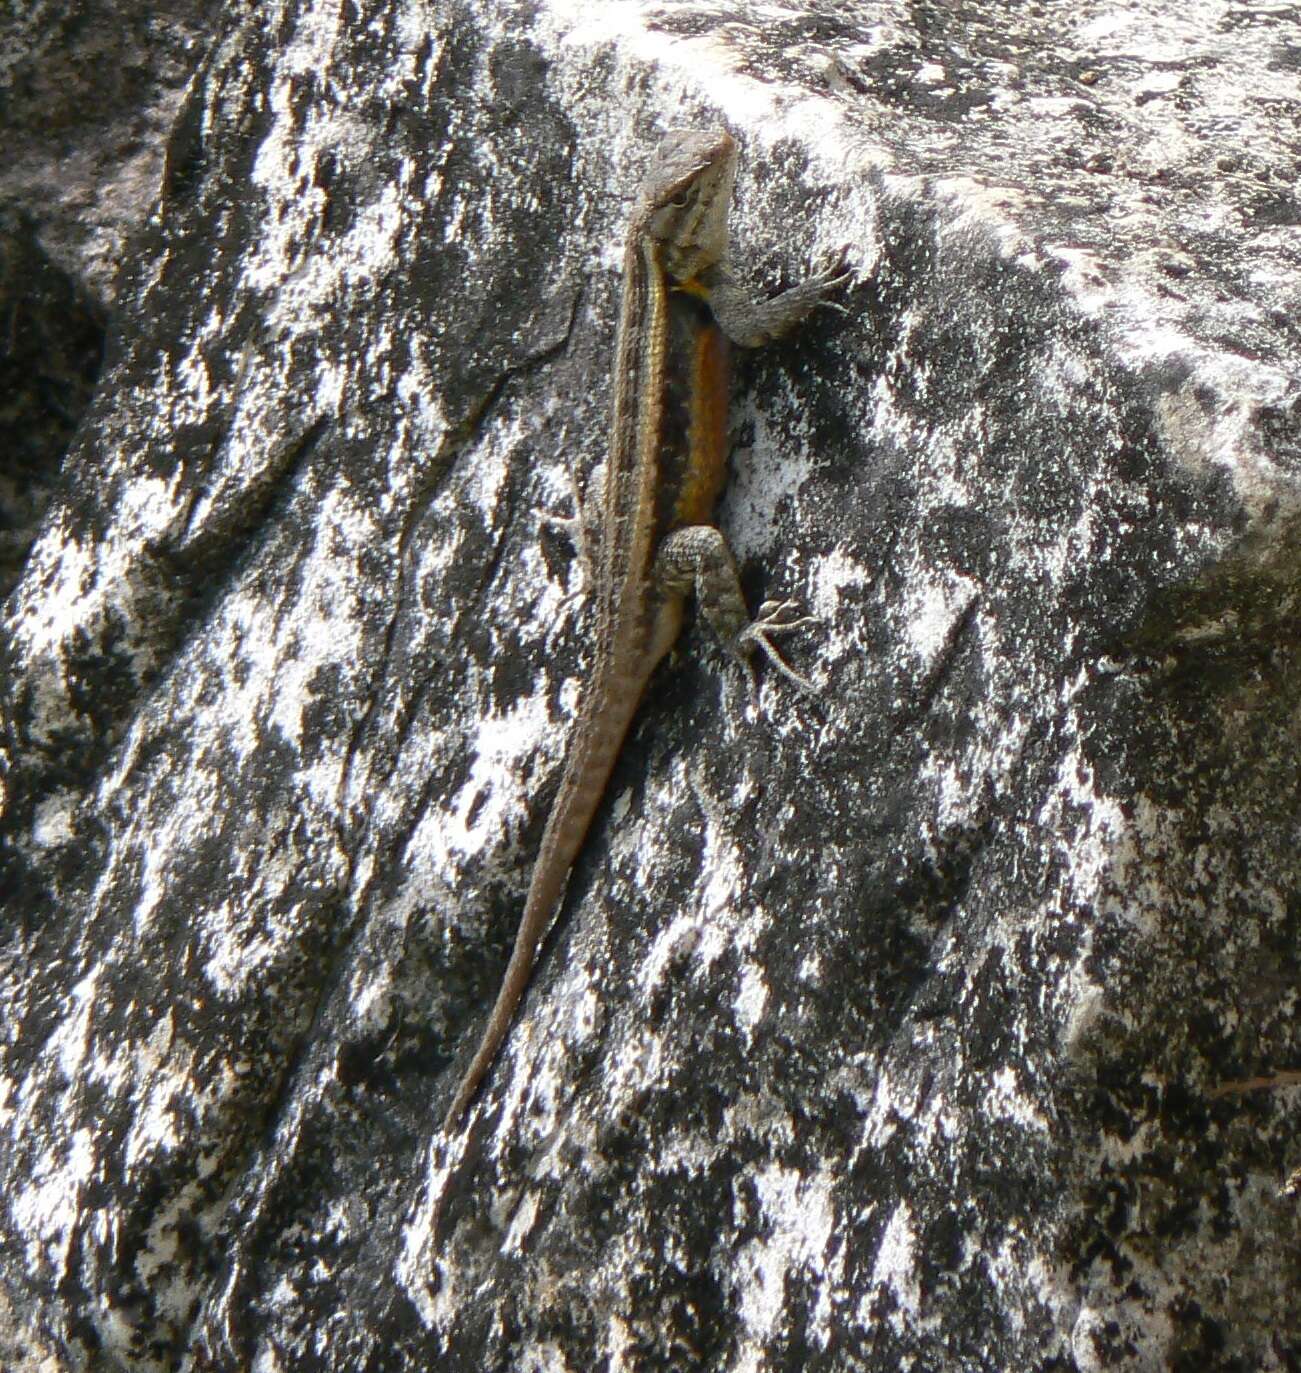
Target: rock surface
x=886, y=1028
x=88, y=93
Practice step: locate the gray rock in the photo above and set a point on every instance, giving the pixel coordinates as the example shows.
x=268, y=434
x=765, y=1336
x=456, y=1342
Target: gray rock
x=88, y=93
x=887, y=1028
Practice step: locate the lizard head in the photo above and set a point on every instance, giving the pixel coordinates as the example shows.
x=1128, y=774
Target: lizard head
x=683, y=203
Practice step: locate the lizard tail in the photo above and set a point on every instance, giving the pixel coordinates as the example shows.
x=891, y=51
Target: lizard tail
x=598, y=735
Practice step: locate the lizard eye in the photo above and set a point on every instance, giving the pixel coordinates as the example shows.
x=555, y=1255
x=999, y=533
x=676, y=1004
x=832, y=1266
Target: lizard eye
x=681, y=202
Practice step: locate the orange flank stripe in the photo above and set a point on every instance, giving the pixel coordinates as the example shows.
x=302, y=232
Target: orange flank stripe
x=707, y=437
x=692, y=288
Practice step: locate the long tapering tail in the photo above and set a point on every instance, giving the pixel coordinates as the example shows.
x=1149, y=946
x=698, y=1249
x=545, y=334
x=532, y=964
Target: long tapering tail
x=598, y=735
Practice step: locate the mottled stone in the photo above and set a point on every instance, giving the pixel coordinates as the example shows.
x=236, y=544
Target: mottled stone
x=881, y=1029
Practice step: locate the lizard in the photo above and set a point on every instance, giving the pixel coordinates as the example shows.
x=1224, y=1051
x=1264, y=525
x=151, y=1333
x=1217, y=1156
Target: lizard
x=665, y=468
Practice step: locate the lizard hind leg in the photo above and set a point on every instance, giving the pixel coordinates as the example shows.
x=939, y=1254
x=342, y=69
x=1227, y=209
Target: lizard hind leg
x=697, y=559
x=581, y=528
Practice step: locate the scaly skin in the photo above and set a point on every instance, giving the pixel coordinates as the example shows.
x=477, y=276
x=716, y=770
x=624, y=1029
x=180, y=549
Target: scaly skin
x=666, y=466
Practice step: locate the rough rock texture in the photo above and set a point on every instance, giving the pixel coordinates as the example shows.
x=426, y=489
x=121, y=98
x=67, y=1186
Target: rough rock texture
x=881, y=1029
x=88, y=92
x=49, y=360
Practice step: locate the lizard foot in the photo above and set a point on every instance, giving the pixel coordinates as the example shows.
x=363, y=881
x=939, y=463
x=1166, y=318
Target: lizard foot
x=574, y=528
x=774, y=618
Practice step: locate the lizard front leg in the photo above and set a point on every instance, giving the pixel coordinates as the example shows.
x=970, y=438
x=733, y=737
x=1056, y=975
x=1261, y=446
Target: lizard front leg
x=750, y=320
x=697, y=559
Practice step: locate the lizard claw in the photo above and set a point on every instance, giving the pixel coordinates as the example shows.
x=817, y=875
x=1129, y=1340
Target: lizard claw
x=769, y=611
x=832, y=278
x=774, y=618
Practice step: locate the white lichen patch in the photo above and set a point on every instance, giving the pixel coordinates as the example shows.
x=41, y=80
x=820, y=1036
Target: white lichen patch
x=490, y=797
x=718, y=907
x=1006, y=1101
x=766, y=478
x=54, y=820
x=796, y=1223
x=46, y=1203
x=712, y=926
x=1092, y=823
x=482, y=486
x=241, y=959
x=422, y=421
x=895, y=1270
x=751, y=999
x=639, y=1064
x=159, y=1073
x=329, y=628
x=521, y=1223
x=835, y=576
x=931, y=610
x=1147, y=1335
